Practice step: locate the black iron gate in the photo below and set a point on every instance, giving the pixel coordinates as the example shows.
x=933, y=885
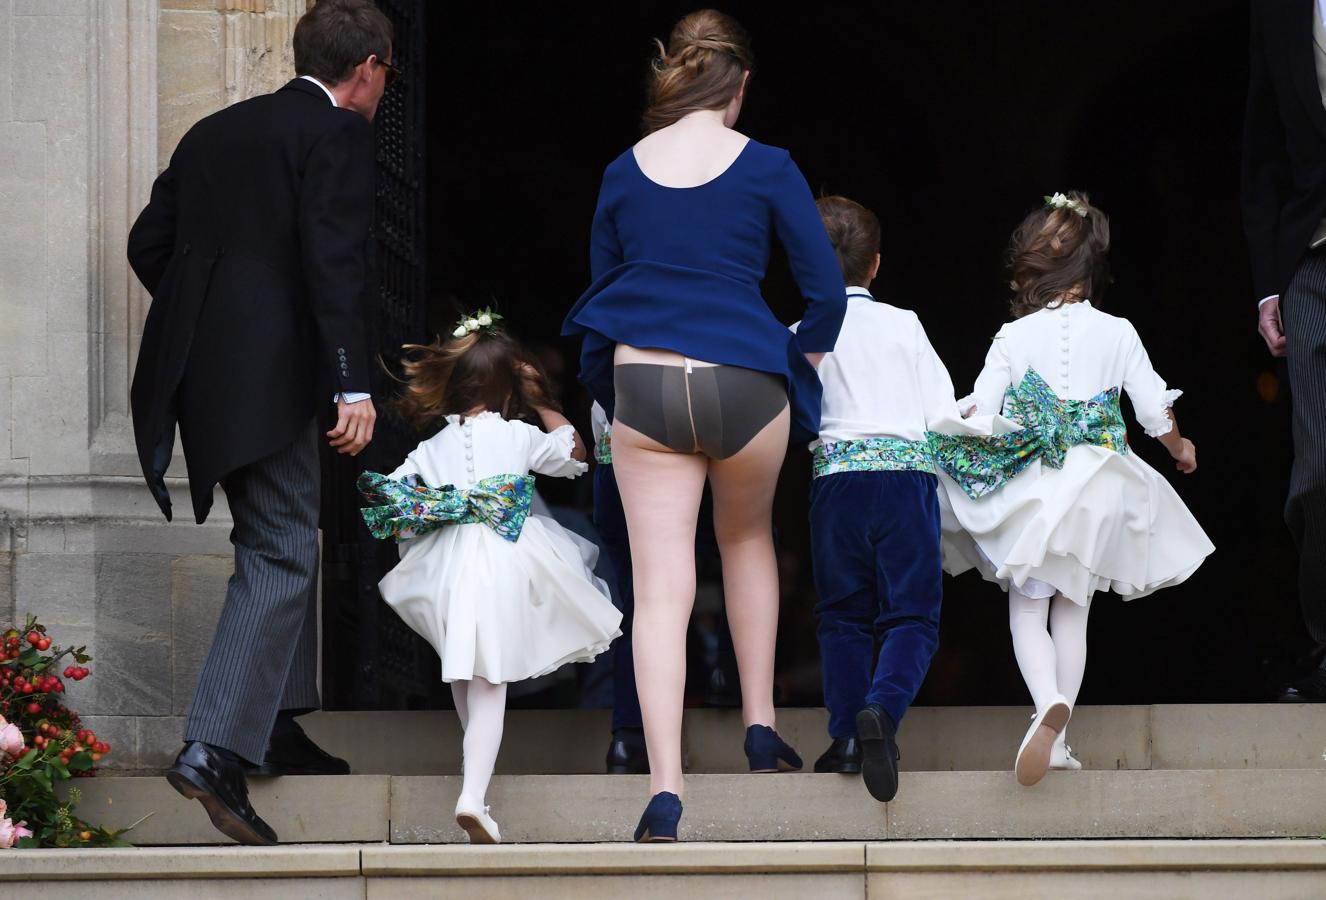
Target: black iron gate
x=370, y=659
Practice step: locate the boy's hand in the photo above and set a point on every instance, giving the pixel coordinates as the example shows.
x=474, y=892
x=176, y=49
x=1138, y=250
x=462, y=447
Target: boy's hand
x=1186, y=458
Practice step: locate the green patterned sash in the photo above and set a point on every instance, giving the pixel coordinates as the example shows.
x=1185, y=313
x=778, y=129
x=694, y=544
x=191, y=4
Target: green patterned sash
x=1050, y=428
x=408, y=508
x=872, y=455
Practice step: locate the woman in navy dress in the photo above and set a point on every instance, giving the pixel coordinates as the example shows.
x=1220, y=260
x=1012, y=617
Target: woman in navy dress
x=700, y=379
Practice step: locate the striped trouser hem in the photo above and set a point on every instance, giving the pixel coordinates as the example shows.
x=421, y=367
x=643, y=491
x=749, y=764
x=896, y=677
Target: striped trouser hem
x=1303, y=312
x=264, y=653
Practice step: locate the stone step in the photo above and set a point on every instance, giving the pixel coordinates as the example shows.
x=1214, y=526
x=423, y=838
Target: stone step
x=1213, y=803
x=955, y=738
x=1061, y=870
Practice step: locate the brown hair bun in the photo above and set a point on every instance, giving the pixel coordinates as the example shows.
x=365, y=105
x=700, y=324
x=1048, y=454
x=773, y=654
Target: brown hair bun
x=1057, y=252
x=700, y=68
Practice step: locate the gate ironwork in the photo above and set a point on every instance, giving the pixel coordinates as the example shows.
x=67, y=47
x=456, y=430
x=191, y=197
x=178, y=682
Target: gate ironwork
x=370, y=659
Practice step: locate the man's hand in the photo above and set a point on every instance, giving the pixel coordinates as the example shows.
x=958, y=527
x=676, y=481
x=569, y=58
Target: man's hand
x=1268, y=324
x=354, y=426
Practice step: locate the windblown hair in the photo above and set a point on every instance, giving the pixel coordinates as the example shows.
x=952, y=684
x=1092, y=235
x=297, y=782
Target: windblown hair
x=455, y=375
x=854, y=233
x=1056, y=254
x=700, y=68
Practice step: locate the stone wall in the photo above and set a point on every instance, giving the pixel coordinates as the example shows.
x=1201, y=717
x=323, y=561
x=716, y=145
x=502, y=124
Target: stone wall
x=94, y=94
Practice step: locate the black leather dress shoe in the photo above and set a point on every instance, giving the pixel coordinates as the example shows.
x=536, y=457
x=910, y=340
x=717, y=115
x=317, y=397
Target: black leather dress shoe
x=202, y=774
x=843, y=757
x=294, y=753
x=627, y=754
x=879, y=752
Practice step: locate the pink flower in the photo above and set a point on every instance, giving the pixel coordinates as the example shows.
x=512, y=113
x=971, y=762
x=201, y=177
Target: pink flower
x=8, y=834
x=11, y=739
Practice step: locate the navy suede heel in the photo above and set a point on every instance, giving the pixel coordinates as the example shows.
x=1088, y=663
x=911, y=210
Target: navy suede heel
x=659, y=823
x=767, y=752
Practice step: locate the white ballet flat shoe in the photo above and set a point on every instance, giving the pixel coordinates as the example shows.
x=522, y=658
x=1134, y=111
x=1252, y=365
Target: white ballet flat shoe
x=1061, y=757
x=478, y=825
x=1033, y=759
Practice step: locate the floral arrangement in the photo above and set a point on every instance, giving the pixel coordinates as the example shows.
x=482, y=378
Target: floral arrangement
x=42, y=742
x=1061, y=200
x=484, y=318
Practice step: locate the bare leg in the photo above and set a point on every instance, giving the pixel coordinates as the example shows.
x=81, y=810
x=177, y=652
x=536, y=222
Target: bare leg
x=660, y=492
x=743, y=486
x=486, y=705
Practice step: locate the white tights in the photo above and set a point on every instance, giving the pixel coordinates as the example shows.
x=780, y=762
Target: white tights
x=1050, y=664
x=481, y=707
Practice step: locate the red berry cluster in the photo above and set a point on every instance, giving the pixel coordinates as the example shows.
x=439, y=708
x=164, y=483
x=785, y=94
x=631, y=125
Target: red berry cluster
x=78, y=673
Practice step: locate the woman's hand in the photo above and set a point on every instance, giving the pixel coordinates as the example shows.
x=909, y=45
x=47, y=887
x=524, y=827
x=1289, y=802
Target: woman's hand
x=1185, y=456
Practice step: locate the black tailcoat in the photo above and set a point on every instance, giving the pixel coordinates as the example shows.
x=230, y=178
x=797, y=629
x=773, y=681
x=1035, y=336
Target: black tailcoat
x=255, y=250
x=1284, y=143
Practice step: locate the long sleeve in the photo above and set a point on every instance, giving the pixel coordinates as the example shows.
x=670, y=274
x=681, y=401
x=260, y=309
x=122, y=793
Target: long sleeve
x=937, y=401
x=1265, y=177
x=152, y=238
x=814, y=266
x=605, y=248
x=994, y=380
x=1150, y=396
x=336, y=210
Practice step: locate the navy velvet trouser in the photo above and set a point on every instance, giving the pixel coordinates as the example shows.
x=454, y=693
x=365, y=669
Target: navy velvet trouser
x=874, y=540
x=610, y=520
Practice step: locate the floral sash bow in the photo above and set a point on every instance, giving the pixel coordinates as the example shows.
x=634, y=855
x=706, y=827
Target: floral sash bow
x=1050, y=427
x=408, y=508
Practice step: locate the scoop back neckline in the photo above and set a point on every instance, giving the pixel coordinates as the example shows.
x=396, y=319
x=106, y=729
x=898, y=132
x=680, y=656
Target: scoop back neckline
x=635, y=163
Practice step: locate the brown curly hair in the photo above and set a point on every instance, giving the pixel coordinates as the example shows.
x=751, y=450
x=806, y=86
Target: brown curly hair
x=854, y=233
x=700, y=68
x=488, y=368
x=1056, y=254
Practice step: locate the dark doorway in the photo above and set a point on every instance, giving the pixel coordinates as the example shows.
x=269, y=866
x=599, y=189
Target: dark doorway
x=950, y=122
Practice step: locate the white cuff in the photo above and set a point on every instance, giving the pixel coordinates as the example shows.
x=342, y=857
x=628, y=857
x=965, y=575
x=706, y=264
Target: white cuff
x=1166, y=401
x=1265, y=300
x=351, y=397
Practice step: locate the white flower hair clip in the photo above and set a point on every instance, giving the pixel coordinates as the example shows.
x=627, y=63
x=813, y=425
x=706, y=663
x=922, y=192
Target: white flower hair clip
x=477, y=321
x=1060, y=200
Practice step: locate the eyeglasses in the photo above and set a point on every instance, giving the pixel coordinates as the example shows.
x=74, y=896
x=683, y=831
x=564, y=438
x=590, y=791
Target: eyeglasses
x=393, y=72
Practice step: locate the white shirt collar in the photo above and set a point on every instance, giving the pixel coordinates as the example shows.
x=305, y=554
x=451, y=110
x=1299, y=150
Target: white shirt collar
x=326, y=90
x=858, y=290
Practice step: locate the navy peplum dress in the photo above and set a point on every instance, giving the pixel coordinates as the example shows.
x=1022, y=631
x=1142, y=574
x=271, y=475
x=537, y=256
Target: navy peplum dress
x=680, y=268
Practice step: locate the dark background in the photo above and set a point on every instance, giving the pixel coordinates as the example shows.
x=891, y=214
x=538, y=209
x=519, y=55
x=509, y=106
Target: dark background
x=950, y=121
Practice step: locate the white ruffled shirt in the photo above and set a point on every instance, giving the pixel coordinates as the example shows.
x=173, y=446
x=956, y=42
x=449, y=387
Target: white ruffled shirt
x=883, y=379
x=1079, y=351
x=485, y=445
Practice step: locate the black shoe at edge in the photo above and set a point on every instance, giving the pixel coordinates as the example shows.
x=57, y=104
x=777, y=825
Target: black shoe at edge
x=201, y=773
x=879, y=753
x=842, y=757
x=294, y=753
x=627, y=754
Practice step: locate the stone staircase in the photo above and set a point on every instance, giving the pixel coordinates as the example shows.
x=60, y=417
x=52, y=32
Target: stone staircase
x=1248, y=780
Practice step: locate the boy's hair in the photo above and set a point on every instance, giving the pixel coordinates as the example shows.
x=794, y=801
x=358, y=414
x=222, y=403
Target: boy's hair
x=1057, y=252
x=336, y=35
x=854, y=232
x=455, y=375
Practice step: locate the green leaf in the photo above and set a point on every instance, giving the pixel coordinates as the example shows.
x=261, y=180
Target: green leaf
x=80, y=762
x=28, y=843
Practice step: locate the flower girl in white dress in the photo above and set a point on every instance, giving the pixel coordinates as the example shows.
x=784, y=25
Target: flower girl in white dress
x=1059, y=508
x=502, y=595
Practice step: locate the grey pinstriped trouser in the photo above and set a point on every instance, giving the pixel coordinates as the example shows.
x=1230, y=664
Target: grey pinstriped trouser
x=264, y=654
x=1303, y=312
